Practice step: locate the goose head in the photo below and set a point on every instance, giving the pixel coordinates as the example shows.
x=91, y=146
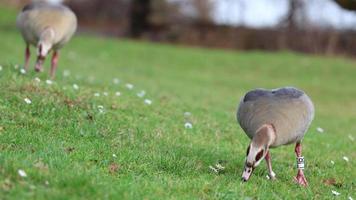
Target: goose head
x=257, y=149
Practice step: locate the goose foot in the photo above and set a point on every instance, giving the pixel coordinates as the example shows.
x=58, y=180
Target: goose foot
x=300, y=179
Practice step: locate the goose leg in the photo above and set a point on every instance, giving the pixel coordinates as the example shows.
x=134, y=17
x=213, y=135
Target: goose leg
x=54, y=63
x=27, y=57
x=300, y=178
x=271, y=174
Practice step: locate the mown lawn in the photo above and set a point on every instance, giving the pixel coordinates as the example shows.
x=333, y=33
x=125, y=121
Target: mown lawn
x=73, y=144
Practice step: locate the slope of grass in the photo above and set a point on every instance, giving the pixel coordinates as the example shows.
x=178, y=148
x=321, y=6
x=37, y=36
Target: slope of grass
x=73, y=144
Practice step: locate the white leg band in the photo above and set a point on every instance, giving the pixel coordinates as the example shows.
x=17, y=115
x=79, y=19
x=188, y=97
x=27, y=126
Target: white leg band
x=300, y=162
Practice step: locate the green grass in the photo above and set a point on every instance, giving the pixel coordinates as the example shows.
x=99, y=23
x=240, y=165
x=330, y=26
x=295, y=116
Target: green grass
x=66, y=146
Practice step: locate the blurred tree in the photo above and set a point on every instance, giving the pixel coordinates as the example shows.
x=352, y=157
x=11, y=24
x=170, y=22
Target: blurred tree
x=295, y=10
x=139, y=17
x=347, y=4
x=203, y=10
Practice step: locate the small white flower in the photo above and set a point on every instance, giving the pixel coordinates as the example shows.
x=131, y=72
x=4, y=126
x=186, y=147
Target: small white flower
x=188, y=125
x=141, y=94
x=66, y=73
x=22, y=71
x=16, y=66
x=37, y=79
x=75, y=86
x=351, y=137
x=22, y=173
x=49, y=82
x=148, y=102
x=28, y=101
x=335, y=193
x=219, y=167
x=345, y=158
x=105, y=93
x=116, y=81
x=350, y=198
x=101, y=109
x=213, y=169
x=0, y=68
x=268, y=177
x=129, y=86
x=320, y=130
x=332, y=162
x=187, y=114
x=118, y=94
x=97, y=94
x=114, y=155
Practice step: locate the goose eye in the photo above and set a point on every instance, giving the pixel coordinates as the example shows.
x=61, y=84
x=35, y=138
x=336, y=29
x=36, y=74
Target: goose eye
x=259, y=155
x=248, y=150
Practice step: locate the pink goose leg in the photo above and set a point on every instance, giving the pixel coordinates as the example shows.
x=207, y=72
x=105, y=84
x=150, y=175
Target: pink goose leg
x=300, y=178
x=27, y=57
x=271, y=174
x=54, y=63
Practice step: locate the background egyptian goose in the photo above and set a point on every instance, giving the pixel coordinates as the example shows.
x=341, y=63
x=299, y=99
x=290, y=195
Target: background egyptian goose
x=48, y=26
x=271, y=118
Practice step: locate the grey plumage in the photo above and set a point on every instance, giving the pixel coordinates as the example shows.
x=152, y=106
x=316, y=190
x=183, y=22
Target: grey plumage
x=36, y=17
x=289, y=110
x=48, y=27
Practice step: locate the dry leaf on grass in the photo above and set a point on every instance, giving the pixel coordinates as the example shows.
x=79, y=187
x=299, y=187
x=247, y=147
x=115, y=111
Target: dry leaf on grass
x=113, y=168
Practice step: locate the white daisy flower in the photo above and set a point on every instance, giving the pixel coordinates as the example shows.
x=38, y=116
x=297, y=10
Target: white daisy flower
x=37, y=80
x=129, y=86
x=114, y=155
x=345, y=158
x=350, y=198
x=22, y=173
x=213, y=169
x=141, y=94
x=188, y=125
x=101, y=108
x=148, y=102
x=27, y=100
x=335, y=193
x=22, y=71
x=118, y=94
x=49, y=82
x=75, y=86
x=116, y=81
x=320, y=130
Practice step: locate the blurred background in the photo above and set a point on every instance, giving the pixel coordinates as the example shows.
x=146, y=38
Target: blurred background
x=308, y=26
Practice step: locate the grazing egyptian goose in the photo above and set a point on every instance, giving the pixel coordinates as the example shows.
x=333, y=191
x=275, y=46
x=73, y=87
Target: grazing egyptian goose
x=47, y=26
x=271, y=118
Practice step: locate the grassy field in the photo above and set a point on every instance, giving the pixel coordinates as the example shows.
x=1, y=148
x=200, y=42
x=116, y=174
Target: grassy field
x=73, y=144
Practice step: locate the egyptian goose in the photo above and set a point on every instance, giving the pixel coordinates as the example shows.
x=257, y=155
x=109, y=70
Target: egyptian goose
x=47, y=26
x=271, y=118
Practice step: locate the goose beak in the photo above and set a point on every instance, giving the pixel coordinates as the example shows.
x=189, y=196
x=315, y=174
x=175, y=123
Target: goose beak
x=246, y=173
